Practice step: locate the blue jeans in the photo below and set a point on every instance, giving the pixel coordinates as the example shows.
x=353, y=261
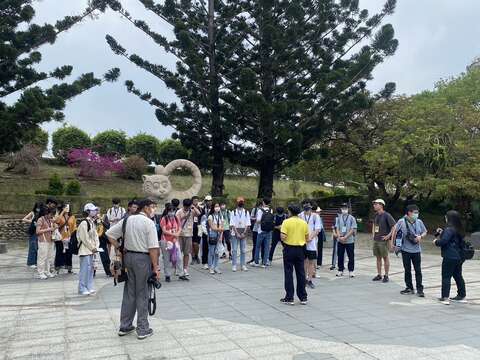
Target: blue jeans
x=263, y=241
x=32, y=250
x=85, y=276
x=243, y=247
x=212, y=256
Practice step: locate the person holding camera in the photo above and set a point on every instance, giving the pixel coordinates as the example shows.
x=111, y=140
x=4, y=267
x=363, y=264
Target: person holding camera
x=141, y=253
x=450, y=240
x=411, y=230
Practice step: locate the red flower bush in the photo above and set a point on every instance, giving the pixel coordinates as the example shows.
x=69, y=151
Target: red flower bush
x=93, y=165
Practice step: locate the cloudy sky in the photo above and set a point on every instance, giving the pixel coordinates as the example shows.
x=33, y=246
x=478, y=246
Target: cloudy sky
x=438, y=38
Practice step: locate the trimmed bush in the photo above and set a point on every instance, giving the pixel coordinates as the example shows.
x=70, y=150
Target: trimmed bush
x=73, y=187
x=68, y=138
x=40, y=139
x=55, y=185
x=110, y=142
x=145, y=146
x=133, y=168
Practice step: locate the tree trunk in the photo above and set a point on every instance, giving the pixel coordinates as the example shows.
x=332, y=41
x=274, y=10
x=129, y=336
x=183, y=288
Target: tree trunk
x=265, y=185
x=218, y=167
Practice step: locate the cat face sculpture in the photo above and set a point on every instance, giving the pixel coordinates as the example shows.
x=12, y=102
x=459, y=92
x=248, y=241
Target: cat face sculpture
x=159, y=187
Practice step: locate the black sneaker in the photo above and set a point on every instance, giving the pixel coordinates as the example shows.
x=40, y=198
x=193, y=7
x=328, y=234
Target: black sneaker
x=167, y=278
x=145, y=335
x=444, y=301
x=420, y=293
x=377, y=278
x=287, y=301
x=184, y=278
x=310, y=284
x=332, y=268
x=123, y=332
x=251, y=261
x=303, y=302
x=459, y=299
x=407, y=291
x=385, y=279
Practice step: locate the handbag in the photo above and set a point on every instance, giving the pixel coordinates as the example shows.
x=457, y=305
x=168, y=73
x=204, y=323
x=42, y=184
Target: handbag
x=220, y=249
x=409, y=236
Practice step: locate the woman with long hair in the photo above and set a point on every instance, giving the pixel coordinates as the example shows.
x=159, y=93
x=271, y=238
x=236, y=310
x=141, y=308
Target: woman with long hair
x=215, y=237
x=450, y=240
x=32, y=218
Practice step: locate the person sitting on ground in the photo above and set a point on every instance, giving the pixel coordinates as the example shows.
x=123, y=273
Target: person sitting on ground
x=294, y=235
x=412, y=231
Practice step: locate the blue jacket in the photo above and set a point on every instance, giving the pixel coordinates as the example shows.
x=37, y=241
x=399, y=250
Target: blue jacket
x=450, y=243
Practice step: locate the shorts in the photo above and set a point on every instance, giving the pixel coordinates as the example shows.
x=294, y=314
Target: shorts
x=311, y=254
x=380, y=249
x=185, y=243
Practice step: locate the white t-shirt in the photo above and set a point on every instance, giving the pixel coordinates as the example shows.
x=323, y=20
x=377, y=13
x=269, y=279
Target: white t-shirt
x=239, y=218
x=114, y=214
x=314, y=224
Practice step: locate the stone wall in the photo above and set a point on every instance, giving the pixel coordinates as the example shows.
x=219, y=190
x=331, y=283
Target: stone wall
x=12, y=229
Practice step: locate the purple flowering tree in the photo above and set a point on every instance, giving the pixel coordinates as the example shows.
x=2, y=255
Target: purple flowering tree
x=93, y=165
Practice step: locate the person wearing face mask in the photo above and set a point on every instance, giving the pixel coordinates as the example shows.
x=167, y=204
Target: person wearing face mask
x=346, y=228
x=215, y=235
x=204, y=212
x=314, y=228
x=169, y=244
x=88, y=244
x=141, y=257
x=44, y=230
x=239, y=223
x=226, y=230
x=412, y=232
x=31, y=218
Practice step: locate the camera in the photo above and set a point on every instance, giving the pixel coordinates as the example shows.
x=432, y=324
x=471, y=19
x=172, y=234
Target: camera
x=438, y=233
x=152, y=280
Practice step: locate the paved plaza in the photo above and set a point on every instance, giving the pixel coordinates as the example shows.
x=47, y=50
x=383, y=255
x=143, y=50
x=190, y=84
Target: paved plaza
x=239, y=316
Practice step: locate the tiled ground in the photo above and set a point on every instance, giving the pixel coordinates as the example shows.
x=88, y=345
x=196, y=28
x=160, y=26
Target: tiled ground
x=238, y=316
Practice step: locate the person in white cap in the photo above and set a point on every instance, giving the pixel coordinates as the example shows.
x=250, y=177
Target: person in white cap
x=382, y=231
x=88, y=243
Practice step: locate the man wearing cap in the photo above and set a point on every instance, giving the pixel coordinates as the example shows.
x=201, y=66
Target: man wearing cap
x=294, y=234
x=239, y=224
x=88, y=243
x=382, y=231
x=207, y=204
x=141, y=252
x=346, y=228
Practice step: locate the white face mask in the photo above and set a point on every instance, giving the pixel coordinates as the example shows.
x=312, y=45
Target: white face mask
x=344, y=211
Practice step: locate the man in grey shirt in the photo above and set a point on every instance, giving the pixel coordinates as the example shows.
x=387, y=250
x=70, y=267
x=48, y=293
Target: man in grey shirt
x=411, y=230
x=140, y=257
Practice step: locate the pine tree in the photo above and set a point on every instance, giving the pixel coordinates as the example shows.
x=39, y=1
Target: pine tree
x=301, y=75
x=202, y=45
x=18, y=55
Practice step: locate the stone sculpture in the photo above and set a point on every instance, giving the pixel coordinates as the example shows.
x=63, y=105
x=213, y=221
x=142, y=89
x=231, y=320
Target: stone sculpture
x=159, y=187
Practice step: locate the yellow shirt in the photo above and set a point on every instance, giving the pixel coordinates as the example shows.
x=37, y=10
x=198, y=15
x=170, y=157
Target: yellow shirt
x=296, y=230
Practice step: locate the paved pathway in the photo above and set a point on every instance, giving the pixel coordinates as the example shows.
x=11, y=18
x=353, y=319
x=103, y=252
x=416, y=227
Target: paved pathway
x=238, y=316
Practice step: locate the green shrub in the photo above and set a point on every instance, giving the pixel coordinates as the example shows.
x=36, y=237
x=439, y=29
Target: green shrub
x=40, y=139
x=145, y=146
x=73, y=187
x=133, y=168
x=321, y=193
x=55, y=185
x=67, y=138
x=170, y=150
x=110, y=142
x=339, y=191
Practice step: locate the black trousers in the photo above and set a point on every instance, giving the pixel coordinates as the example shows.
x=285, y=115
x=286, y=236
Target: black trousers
x=104, y=256
x=226, y=240
x=275, y=241
x=416, y=260
x=321, y=240
x=452, y=268
x=294, y=258
x=204, y=249
x=62, y=259
x=350, y=249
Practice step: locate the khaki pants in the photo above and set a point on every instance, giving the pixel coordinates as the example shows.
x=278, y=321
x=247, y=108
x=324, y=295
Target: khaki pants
x=45, y=256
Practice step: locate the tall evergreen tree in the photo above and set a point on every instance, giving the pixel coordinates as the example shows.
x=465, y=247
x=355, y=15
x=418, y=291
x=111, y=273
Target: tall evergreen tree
x=202, y=45
x=301, y=74
x=19, y=122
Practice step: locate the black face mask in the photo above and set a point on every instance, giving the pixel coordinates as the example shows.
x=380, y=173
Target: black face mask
x=307, y=208
x=241, y=204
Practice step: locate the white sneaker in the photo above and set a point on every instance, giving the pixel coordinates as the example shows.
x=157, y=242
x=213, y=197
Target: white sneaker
x=340, y=273
x=244, y=268
x=33, y=266
x=185, y=272
x=205, y=267
x=51, y=275
x=93, y=292
x=317, y=276
x=212, y=271
x=42, y=276
x=263, y=266
x=85, y=293
x=255, y=265
x=352, y=274
x=234, y=268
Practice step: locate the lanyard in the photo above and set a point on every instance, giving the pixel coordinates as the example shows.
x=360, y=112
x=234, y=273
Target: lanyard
x=217, y=219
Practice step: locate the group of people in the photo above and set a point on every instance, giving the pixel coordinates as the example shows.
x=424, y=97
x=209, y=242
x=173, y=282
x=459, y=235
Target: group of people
x=203, y=232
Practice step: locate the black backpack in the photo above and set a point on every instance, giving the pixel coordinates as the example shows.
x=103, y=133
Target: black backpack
x=267, y=221
x=467, y=251
x=74, y=245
